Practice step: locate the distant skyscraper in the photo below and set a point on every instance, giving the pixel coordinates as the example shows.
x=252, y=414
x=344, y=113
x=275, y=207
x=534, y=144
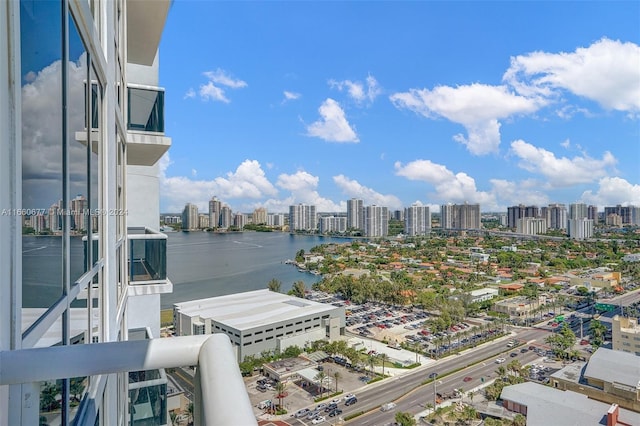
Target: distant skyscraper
x=302, y=217
x=460, y=216
x=531, y=226
x=578, y=211
x=580, y=229
x=241, y=219
x=215, y=206
x=518, y=212
x=556, y=216
x=376, y=221
x=190, y=216
x=260, y=216
x=592, y=213
x=275, y=219
x=417, y=220
x=630, y=214
x=226, y=217
x=355, y=214
x=332, y=224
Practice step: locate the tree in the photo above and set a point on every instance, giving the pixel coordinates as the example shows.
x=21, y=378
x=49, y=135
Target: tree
x=299, y=289
x=597, y=331
x=469, y=413
x=274, y=285
x=336, y=377
x=279, y=389
x=190, y=412
x=320, y=379
x=519, y=420
x=405, y=419
x=384, y=357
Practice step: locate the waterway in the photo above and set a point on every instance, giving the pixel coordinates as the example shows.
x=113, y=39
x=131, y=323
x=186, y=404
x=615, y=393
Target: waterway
x=200, y=264
x=203, y=264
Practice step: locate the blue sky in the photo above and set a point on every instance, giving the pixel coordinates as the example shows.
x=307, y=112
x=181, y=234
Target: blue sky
x=499, y=103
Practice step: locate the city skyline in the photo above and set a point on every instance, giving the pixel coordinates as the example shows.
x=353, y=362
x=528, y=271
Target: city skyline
x=490, y=103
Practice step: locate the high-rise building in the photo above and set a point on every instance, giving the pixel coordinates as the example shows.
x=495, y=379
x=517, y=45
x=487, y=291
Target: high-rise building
x=215, y=207
x=376, y=221
x=592, y=213
x=328, y=224
x=355, y=214
x=260, y=216
x=630, y=214
x=81, y=79
x=240, y=220
x=190, y=217
x=580, y=229
x=556, y=216
x=531, y=226
x=578, y=211
x=460, y=216
x=417, y=220
x=275, y=219
x=518, y=212
x=226, y=217
x=302, y=217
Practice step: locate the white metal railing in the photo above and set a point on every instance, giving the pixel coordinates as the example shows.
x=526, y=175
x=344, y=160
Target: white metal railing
x=221, y=397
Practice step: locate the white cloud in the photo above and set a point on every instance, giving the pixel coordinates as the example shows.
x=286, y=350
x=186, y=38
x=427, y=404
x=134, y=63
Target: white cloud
x=357, y=90
x=353, y=189
x=607, y=72
x=333, y=125
x=214, y=89
x=562, y=171
x=613, y=191
x=190, y=94
x=477, y=107
x=304, y=189
x=291, y=96
x=449, y=187
x=248, y=181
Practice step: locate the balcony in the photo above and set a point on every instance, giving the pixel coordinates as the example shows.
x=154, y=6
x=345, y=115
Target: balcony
x=145, y=124
x=147, y=262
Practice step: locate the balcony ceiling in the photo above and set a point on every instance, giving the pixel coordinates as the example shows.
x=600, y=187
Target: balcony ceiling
x=145, y=149
x=145, y=22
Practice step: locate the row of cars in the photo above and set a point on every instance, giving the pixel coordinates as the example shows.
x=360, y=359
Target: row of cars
x=331, y=409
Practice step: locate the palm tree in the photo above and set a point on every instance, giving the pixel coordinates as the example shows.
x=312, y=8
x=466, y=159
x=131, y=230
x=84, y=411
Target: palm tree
x=471, y=394
x=320, y=379
x=279, y=388
x=337, y=376
x=371, y=360
x=274, y=285
x=469, y=413
x=384, y=357
x=299, y=289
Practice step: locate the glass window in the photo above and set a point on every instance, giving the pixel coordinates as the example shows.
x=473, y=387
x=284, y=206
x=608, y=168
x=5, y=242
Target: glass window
x=41, y=58
x=145, y=110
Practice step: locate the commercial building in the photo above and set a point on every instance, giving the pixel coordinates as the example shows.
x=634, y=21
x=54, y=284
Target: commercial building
x=600, y=279
x=260, y=320
x=543, y=405
x=483, y=294
x=610, y=376
x=519, y=308
x=81, y=102
x=625, y=334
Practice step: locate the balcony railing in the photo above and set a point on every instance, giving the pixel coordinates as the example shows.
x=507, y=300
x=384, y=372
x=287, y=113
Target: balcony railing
x=147, y=256
x=145, y=109
x=220, y=394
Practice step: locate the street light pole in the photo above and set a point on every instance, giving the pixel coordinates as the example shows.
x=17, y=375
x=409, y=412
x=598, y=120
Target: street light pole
x=434, y=376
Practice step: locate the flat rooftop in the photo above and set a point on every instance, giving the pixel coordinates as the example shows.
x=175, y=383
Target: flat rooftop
x=251, y=309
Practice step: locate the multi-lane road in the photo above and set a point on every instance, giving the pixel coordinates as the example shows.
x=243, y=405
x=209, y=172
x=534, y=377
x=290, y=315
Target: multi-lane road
x=411, y=396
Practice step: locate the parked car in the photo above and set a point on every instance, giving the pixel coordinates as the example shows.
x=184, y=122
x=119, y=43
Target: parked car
x=318, y=420
x=335, y=412
x=301, y=413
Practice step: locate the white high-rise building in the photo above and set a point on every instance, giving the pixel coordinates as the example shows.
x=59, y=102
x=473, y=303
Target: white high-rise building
x=302, y=217
x=355, y=214
x=376, y=221
x=81, y=79
x=531, y=226
x=190, y=217
x=417, y=220
x=226, y=217
x=580, y=229
x=556, y=216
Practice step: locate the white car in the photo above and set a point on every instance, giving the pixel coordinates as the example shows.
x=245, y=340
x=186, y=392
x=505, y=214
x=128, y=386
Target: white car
x=349, y=396
x=318, y=420
x=500, y=360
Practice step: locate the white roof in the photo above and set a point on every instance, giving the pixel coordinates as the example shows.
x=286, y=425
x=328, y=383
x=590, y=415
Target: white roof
x=546, y=406
x=251, y=309
x=614, y=367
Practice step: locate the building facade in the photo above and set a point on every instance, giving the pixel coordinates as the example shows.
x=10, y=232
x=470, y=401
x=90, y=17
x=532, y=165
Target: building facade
x=625, y=334
x=355, y=214
x=376, y=221
x=302, y=217
x=417, y=220
x=260, y=320
x=79, y=304
x=190, y=217
x=460, y=216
